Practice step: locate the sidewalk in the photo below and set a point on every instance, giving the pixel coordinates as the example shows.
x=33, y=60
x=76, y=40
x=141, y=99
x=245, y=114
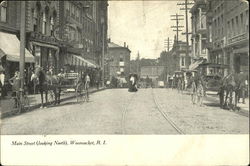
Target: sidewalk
x=35, y=101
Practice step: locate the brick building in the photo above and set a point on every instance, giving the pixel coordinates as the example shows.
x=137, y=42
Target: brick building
x=119, y=66
x=228, y=31
x=41, y=19
x=9, y=38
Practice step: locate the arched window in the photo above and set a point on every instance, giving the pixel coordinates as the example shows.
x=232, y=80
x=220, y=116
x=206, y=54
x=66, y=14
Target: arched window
x=36, y=17
x=45, y=19
x=3, y=11
x=52, y=22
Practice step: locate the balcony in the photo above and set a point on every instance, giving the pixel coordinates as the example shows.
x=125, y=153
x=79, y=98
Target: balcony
x=238, y=39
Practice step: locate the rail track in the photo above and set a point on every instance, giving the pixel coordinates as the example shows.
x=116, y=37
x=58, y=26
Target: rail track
x=124, y=112
x=165, y=115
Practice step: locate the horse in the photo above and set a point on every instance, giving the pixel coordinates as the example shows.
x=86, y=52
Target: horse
x=231, y=86
x=46, y=82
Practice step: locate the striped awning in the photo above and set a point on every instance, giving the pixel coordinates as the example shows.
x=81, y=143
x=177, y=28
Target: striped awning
x=84, y=62
x=10, y=47
x=194, y=65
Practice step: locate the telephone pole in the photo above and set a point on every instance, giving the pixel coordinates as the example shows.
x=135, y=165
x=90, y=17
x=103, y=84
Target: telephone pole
x=167, y=44
x=138, y=64
x=177, y=27
x=186, y=3
x=22, y=47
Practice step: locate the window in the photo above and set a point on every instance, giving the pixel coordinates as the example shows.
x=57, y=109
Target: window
x=236, y=24
x=182, y=61
x=241, y=22
x=51, y=25
x=3, y=11
x=44, y=23
x=229, y=29
x=232, y=22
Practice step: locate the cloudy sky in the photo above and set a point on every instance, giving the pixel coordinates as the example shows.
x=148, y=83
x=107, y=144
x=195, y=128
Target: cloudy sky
x=143, y=25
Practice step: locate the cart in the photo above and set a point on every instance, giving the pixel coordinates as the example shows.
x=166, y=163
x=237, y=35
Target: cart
x=73, y=83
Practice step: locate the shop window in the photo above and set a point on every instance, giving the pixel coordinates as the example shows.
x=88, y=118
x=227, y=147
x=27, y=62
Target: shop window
x=3, y=11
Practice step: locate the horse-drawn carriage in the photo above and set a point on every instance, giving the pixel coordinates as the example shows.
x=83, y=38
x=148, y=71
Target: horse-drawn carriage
x=53, y=85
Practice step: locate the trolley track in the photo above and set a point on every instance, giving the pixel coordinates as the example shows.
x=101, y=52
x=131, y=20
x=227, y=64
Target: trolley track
x=124, y=113
x=165, y=115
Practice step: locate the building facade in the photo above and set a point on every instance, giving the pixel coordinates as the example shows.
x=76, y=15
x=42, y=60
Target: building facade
x=41, y=19
x=9, y=39
x=228, y=30
x=119, y=66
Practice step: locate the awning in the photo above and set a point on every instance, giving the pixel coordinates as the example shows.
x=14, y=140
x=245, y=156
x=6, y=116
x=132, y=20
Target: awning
x=86, y=62
x=194, y=65
x=10, y=46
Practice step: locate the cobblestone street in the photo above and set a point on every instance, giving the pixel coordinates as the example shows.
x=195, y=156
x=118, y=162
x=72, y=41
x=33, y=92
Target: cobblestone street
x=116, y=111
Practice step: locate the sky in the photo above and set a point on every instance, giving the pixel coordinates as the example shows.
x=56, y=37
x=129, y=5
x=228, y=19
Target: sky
x=144, y=25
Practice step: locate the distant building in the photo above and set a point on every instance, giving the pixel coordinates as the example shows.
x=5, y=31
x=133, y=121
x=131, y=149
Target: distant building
x=153, y=72
x=119, y=60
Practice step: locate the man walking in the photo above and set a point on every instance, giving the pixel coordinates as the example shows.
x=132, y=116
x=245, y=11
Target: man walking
x=87, y=82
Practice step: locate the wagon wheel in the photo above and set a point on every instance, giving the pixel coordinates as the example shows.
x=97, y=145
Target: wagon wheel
x=26, y=103
x=51, y=96
x=78, y=93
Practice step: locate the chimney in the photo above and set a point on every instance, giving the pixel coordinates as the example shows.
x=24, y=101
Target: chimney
x=124, y=44
x=127, y=46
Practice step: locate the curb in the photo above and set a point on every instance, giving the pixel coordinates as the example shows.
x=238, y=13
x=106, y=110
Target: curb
x=33, y=107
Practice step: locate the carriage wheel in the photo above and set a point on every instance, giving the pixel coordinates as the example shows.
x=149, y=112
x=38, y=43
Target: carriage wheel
x=78, y=93
x=51, y=96
x=26, y=103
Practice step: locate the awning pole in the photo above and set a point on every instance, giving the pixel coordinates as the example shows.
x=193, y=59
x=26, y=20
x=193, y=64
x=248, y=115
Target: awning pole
x=22, y=47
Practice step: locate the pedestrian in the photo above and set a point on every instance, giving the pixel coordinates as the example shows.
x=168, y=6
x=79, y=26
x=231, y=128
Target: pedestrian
x=200, y=93
x=2, y=85
x=86, y=86
x=16, y=84
x=193, y=91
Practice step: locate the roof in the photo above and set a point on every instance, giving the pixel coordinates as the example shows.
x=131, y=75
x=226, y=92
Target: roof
x=113, y=45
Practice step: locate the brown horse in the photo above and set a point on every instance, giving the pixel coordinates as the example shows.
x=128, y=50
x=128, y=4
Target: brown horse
x=231, y=86
x=47, y=82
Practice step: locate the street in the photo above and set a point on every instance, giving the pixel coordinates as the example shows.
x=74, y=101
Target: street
x=117, y=111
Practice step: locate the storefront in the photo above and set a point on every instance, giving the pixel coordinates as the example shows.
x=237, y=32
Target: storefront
x=10, y=54
x=45, y=50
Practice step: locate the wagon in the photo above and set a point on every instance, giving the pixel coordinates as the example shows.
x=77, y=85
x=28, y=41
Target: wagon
x=72, y=83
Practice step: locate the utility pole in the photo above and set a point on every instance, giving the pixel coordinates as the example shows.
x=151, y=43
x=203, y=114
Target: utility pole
x=186, y=14
x=177, y=27
x=138, y=63
x=167, y=44
x=22, y=47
